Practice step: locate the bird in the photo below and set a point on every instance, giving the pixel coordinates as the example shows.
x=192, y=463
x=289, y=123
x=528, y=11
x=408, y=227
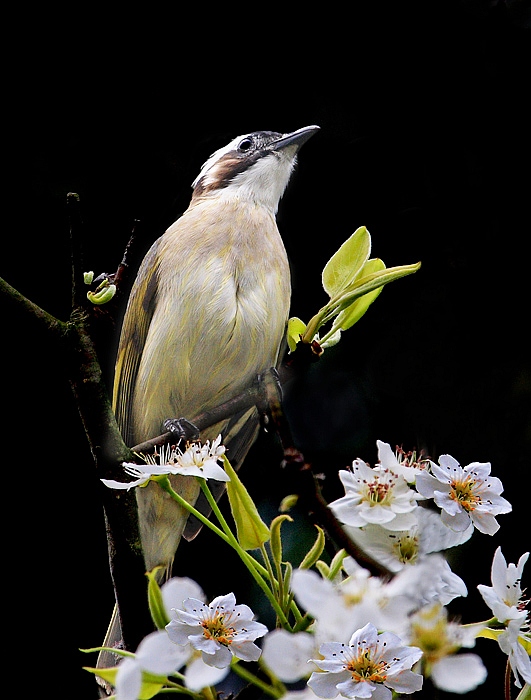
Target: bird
x=207, y=315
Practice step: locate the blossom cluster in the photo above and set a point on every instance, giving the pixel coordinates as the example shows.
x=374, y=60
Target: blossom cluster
x=355, y=635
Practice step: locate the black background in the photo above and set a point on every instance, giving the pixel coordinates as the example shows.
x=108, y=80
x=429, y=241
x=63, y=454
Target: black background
x=424, y=139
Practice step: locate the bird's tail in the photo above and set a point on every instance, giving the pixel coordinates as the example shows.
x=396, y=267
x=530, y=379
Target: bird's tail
x=106, y=659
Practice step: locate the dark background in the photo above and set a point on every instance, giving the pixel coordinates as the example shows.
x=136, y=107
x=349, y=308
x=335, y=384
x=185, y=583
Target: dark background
x=424, y=139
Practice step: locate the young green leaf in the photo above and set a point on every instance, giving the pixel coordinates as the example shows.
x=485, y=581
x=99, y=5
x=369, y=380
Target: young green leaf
x=347, y=261
x=352, y=314
x=295, y=329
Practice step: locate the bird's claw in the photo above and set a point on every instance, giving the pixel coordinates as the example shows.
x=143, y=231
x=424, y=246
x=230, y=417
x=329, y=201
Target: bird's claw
x=182, y=429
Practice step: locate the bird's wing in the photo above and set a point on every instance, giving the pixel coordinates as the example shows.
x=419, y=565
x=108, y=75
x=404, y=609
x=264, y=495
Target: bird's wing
x=136, y=324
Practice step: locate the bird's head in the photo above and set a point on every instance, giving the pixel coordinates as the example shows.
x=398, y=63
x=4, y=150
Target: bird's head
x=254, y=166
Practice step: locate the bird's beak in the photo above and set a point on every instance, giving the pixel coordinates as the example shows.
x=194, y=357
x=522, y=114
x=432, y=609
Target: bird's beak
x=296, y=138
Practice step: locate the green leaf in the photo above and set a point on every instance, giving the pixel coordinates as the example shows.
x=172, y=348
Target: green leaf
x=352, y=314
x=362, y=285
x=345, y=264
x=155, y=602
x=251, y=530
x=296, y=328
x=315, y=552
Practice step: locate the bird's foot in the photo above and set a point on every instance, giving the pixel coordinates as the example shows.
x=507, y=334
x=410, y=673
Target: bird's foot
x=182, y=429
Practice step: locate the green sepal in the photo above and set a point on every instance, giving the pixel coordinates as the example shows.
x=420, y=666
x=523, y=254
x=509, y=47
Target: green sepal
x=151, y=684
x=288, y=573
x=155, y=600
x=315, y=552
x=276, y=540
x=490, y=633
x=323, y=568
x=343, y=267
x=525, y=693
x=251, y=530
x=336, y=564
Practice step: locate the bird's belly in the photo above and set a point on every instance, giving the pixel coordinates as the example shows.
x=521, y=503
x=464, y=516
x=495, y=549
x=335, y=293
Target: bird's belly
x=216, y=343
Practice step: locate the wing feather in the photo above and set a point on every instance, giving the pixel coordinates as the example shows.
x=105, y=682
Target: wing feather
x=137, y=320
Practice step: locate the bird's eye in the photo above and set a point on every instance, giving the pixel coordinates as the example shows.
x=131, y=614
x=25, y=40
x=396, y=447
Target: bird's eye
x=245, y=145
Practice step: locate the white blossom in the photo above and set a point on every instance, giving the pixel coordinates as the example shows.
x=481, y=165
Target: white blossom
x=440, y=640
x=156, y=654
x=219, y=630
x=511, y=644
x=507, y=601
x=198, y=459
x=396, y=549
x=375, y=495
x=400, y=462
x=464, y=494
x=287, y=654
x=370, y=665
x=505, y=597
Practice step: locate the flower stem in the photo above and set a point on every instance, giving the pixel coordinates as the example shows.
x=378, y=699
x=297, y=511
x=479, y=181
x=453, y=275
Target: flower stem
x=249, y=561
x=251, y=678
x=166, y=486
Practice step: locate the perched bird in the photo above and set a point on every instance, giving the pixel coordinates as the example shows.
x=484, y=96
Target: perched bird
x=206, y=315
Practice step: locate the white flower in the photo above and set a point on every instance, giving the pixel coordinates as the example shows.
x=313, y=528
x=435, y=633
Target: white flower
x=142, y=472
x=197, y=460
x=404, y=547
x=505, y=597
x=287, y=654
x=197, y=675
x=156, y=654
x=219, y=631
x=429, y=581
x=400, y=462
x=440, y=639
x=200, y=460
x=371, y=665
x=518, y=657
x=506, y=600
x=343, y=605
x=464, y=494
x=375, y=496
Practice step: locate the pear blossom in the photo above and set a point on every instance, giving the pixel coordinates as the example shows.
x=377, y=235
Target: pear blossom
x=198, y=459
x=142, y=473
x=506, y=600
x=510, y=643
x=429, y=581
x=219, y=630
x=440, y=639
x=370, y=665
x=157, y=655
x=197, y=675
x=375, y=495
x=505, y=597
x=396, y=549
x=401, y=462
x=343, y=605
x=286, y=654
x=465, y=494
